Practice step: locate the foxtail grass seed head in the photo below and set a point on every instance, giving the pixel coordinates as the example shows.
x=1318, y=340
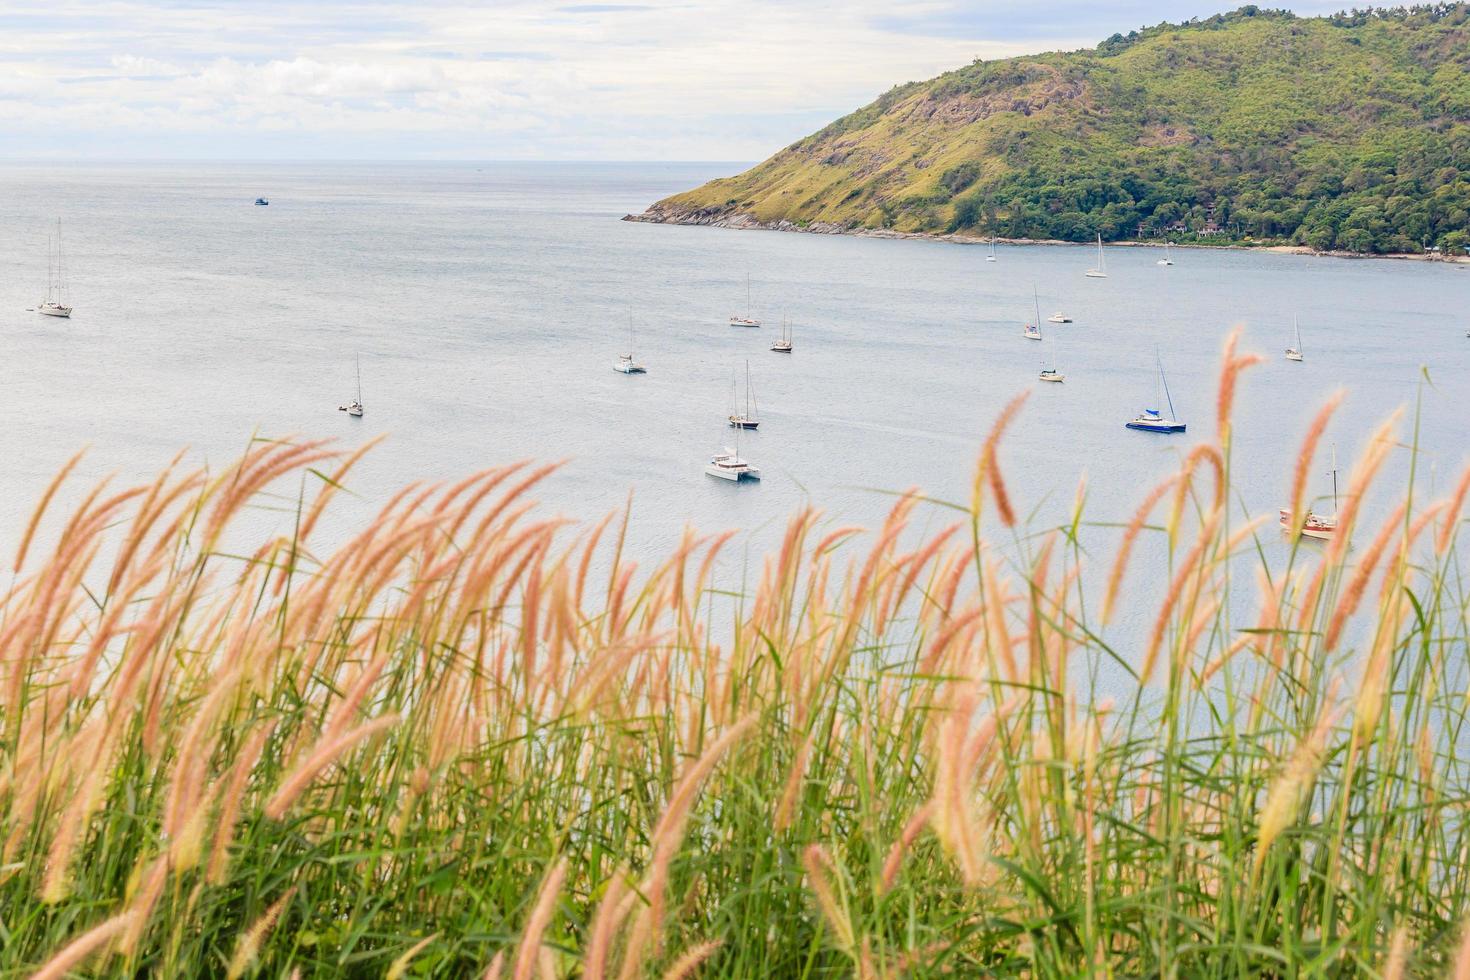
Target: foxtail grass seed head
x=79, y=950
x=247, y=947
x=530, y=947
x=1292, y=787
x=819, y=874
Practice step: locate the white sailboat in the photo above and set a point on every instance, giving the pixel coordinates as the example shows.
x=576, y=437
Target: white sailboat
x=1166, y=260
x=1033, y=329
x=748, y=419
x=1316, y=525
x=1152, y=420
x=747, y=320
x=58, y=300
x=1052, y=374
x=354, y=407
x=626, y=364
x=991, y=256
x=1100, y=271
x=783, y=346
x=729, y=465
x=1295, y=353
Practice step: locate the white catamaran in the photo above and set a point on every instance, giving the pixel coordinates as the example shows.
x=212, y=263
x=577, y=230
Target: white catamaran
x=1100, y=271
x=728, y=465
x=58, y=300
x=747, y=320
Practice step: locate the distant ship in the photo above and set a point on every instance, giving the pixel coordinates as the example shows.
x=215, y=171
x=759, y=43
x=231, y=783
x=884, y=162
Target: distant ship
x=57, y=301
x=1100, y=271
x=1152, y=420
x=354, y=407
x=747, y=320
x=261, y=202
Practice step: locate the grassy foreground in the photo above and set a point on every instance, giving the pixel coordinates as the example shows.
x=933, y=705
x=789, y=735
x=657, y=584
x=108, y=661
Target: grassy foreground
x=448, y=748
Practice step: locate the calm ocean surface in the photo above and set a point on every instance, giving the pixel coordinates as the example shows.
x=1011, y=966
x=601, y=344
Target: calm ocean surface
x=489, y=303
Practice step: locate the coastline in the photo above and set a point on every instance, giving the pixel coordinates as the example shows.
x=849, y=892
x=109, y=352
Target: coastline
x=719, y=217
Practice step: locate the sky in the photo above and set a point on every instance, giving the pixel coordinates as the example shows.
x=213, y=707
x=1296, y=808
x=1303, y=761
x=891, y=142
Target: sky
x=495, y=80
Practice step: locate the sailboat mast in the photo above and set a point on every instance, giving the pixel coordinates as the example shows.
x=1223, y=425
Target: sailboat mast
x=1165, y=382
x=359, y=379
x=1036, y=305
x=1334, y=478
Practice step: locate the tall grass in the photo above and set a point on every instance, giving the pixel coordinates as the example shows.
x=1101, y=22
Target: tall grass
x=475, y=741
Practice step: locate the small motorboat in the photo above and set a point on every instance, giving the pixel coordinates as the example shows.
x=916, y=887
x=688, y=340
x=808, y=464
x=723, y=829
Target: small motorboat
x=261, y=202
x=1059, y=318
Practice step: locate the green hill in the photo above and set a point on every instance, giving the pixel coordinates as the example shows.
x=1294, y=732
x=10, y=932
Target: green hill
x=1348, y=132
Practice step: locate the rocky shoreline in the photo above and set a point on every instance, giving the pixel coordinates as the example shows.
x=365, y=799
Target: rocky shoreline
x=726, y=217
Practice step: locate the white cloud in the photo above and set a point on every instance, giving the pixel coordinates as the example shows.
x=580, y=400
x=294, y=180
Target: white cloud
x=132, y=65
x=312, y=79
x=713, y=79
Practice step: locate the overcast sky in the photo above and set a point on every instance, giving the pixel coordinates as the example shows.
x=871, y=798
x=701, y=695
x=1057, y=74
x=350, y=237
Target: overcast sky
x=500, y=79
